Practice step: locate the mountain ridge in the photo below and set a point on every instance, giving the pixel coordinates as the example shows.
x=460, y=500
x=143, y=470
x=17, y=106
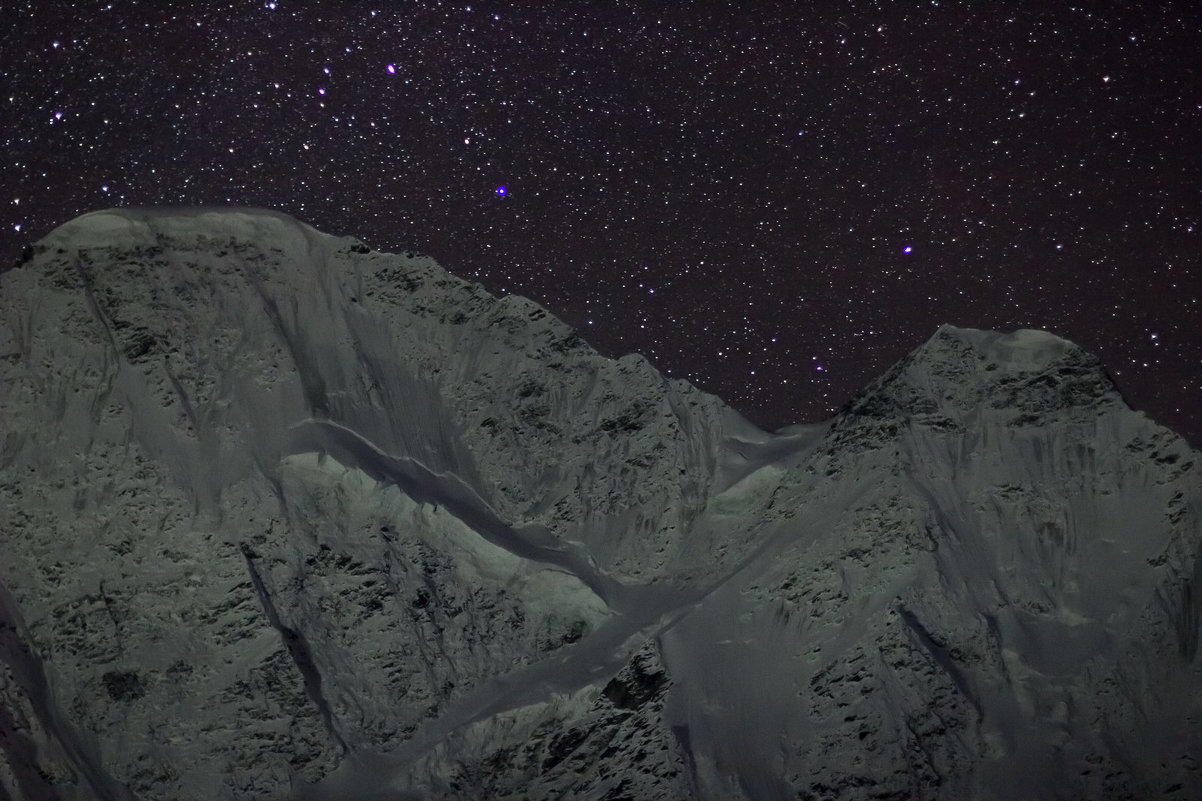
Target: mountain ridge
x=362, y=529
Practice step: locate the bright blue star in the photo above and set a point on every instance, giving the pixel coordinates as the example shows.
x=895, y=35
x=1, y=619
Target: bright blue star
x=501, y=190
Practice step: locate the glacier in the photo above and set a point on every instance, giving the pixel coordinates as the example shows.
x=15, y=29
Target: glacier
x=286, y=517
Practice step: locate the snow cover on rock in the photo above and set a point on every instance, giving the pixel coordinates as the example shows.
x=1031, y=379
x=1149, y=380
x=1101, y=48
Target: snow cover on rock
x=285, y=517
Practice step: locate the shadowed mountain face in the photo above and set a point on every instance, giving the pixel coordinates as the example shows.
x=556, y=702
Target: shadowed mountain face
x=283, y=517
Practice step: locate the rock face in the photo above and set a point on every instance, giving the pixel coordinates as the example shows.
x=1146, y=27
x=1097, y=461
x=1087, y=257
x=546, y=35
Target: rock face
x=284, y=517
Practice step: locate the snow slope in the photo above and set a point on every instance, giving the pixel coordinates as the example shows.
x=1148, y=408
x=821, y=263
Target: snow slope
x=285, y=517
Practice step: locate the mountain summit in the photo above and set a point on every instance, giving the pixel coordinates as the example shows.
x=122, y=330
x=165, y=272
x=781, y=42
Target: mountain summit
x=961, y=376
x=282, y=516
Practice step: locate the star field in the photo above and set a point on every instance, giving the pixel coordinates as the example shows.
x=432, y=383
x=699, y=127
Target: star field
x=775, y=201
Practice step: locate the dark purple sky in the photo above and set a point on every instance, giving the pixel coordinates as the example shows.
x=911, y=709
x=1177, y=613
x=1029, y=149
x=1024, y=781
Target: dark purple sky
x=743, y=192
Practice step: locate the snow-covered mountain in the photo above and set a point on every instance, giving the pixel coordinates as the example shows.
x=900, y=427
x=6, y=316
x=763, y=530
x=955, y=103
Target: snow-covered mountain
x=285, y=517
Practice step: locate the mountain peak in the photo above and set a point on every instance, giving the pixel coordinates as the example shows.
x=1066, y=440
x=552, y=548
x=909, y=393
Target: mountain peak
x=282, y=516
x=1024, y=347
x=1019, y=378
x=190, y=227
x=105, y=225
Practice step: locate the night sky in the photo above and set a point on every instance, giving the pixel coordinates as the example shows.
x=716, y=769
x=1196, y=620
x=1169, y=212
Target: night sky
x=773, y=200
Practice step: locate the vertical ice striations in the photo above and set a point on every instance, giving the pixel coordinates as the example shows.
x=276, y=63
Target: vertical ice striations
x=165, y=377
x=1047, y=523
x=281, y=516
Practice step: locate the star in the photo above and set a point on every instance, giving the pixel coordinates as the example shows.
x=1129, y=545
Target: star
x=766, y=168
